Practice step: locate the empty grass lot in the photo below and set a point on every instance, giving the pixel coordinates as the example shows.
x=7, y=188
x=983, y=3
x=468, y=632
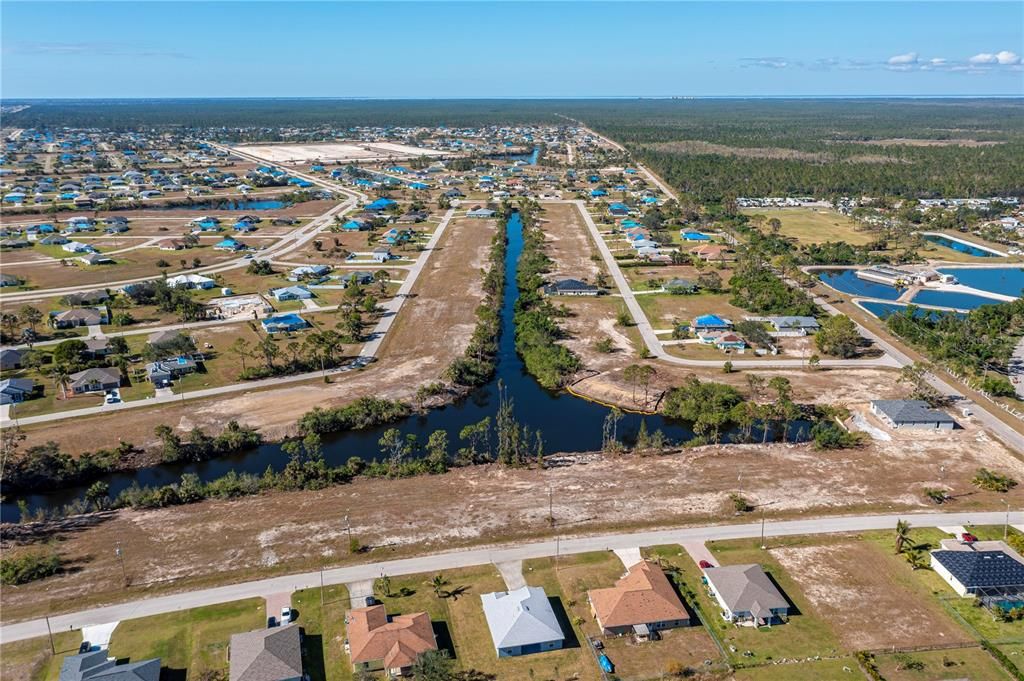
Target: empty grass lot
x=323, y=627
x=193, y=640
x=815, y=225
x=961, y=663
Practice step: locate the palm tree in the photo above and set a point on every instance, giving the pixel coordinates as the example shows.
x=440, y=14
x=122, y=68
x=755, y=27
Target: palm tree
x=61, y=380
x=438, y=583
x=241, y=348
x=902, y=534
x=382, y=585
x=31, y=316
x=915, y=559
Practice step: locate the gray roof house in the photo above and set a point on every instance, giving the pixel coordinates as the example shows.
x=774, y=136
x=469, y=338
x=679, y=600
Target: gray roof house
x=291, y=293
x=794, y=326
x=163, y=337
x=80, y=316
x=522, y=621
x=745, y=594
x=96, y=665
x=570, y=287
x=911, y=414
x=166, y=370
x=267, y=655
x=14, y=390
x=10, y=358
x=97, y=379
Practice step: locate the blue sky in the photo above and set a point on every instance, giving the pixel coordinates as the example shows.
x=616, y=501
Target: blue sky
x=507, y=49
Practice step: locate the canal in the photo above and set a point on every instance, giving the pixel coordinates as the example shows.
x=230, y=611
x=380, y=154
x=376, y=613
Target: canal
x=567, y=423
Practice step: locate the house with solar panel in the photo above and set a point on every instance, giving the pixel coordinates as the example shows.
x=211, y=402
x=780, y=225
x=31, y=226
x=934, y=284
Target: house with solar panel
x=990, y=571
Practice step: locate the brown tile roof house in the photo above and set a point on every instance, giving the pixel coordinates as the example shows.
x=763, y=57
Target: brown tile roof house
x=379, y=642
x=712, y=252
x=642, y=598
x=267, y=655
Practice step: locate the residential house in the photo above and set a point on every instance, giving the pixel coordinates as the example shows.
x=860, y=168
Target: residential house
x=53, y=240
x=273, y=654
x=382, y=254
x=9, y=280
x=164, y=371
x=793, y=326
x=170, y=245
x=14, y=390
x=379, y=205
x=641, y=602
x=166, y=337
x=81, y=316
x=190, y=281
x=95, y=665
x=97, y=347
x=14, y=243
x=291, y=293
x=911, y=414
x=479, y=212
x=311, y=273
x=570, y=287
x=712, y=252
x=97, y=379
x=710, y=322
x=618, y=209
x=230, y=244
x=10, y=358
x=87, y=297
x=362, y=278
x=722, y=340
x=522, y=622
x=378, y=642
x=95, y=259
x=355, y=226
x=77, y=247
x=284, y=323
x=745, y=594
x=987, y=569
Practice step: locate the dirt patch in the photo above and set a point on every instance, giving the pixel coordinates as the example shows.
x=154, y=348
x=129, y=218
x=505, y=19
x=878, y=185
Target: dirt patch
x=906, y=142
x=862, y=597
x=274, y=533
x=569, y=243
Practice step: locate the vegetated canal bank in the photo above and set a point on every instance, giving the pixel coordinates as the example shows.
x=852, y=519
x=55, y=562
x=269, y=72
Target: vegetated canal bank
x=566, y=423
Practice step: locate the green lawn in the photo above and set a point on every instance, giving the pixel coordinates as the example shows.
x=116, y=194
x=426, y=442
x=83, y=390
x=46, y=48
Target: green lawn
x=323, y=627
x=32, y=660
x=815, y=225
x=961, y=663
x=194, y=640
x=818, y=670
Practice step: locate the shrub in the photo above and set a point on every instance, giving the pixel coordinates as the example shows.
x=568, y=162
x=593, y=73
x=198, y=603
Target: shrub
x=28, y=567
x=993, y=481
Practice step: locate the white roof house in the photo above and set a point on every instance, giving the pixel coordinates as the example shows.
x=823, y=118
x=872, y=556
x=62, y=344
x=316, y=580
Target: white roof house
x=522, y=621
x=190, y=281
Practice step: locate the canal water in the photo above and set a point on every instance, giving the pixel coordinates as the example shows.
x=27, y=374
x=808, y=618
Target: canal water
x=847, y=281
x=567, y=423
x=1008, y=281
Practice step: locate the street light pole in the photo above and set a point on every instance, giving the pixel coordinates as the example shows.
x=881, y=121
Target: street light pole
x=1006, y=520
x=120, y=556
x=763, y=546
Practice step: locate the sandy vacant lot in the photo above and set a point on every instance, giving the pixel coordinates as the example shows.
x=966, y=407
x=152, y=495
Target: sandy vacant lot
x=352, y=151
x=841, y=580
x=283, y=532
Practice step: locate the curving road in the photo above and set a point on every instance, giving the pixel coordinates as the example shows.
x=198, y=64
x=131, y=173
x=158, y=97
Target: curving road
x=482, y=556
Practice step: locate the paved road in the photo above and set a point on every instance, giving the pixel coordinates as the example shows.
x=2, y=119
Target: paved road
x=366, y=354
x=482, y=556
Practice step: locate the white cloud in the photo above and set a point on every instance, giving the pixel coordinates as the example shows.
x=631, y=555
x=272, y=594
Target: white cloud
x=766, y=62
x=1007, y=58
x=903, y=59
x=937, y=61
x=984, y=58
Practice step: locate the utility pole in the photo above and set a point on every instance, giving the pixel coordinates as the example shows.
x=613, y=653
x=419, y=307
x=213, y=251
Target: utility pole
x=763, y=546
x=551, y=514
x=49, y=631
x=1006, y=520
x=348, y=529
x=120, y=556
x=321, y=588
